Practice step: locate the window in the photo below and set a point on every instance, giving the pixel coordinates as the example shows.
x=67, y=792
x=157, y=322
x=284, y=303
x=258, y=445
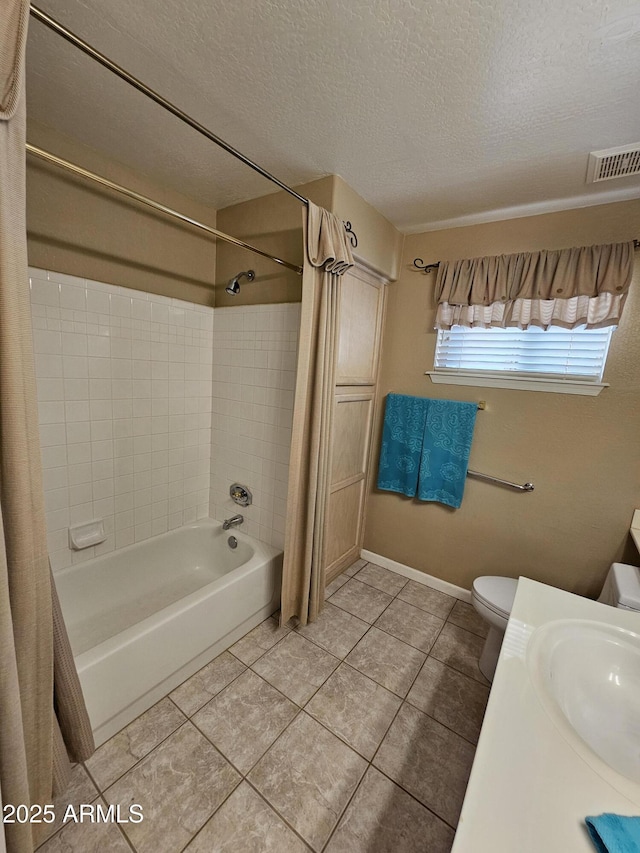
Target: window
x=555, y=359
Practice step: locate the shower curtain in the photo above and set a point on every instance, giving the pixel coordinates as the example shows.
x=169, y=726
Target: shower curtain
x=43, y=719
x=327, y=257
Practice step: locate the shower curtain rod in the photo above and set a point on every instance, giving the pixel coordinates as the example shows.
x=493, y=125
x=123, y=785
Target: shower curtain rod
x=156, y=205
x=67, y=34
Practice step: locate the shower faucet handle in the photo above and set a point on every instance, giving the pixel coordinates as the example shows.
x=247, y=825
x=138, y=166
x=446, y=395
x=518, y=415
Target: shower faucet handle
x=240, y=494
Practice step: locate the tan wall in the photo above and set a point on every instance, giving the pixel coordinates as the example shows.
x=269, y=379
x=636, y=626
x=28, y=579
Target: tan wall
x=274, y=223
x=582, y=453
x=77, y=228
x=379, y=242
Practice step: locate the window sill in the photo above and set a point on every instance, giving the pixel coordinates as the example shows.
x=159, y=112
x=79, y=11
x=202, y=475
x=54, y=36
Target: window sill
x=519, y=383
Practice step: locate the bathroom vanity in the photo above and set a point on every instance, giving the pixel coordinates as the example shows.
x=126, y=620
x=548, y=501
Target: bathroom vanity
x=533, y=780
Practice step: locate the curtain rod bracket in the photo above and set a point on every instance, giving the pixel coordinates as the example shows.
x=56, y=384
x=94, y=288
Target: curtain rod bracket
x=353, y=238
x=425, y=268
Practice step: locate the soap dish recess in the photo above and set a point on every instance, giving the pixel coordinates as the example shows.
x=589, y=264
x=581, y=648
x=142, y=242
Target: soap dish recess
x=87, y=534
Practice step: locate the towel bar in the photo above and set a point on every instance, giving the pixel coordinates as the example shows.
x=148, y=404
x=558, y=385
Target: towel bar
x=527, y=487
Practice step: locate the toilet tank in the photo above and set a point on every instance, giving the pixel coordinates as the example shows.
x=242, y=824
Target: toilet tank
x=622, y=587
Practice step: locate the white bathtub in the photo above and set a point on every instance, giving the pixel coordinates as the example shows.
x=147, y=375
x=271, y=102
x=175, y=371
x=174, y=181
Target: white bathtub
x=144, y=618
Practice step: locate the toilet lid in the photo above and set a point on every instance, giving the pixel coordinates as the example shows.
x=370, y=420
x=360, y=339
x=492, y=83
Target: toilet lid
x=496, y=592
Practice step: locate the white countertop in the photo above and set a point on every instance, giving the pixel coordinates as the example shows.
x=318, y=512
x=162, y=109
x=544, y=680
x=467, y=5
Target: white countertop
x=529, y=789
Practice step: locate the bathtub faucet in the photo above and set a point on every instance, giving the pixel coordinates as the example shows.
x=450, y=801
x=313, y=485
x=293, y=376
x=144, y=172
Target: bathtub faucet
x=234, y=521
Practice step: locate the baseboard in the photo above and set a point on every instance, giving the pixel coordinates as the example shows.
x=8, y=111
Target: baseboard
x=415, y=575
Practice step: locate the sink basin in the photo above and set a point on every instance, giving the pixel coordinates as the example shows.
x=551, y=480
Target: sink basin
x=587, y=676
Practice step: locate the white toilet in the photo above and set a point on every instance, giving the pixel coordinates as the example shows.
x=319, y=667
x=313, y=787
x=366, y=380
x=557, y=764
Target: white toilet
x=622, y=587
x=493, y=597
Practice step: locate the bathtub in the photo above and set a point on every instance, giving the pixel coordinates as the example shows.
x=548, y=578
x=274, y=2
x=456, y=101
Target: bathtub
x=143, y=619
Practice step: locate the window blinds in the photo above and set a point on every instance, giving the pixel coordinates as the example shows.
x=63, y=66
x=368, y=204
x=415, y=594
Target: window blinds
x=555, y=352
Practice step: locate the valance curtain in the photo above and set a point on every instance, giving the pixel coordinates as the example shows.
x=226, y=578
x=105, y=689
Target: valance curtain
x=327, y=257
x=568, y=288
x=42, y=715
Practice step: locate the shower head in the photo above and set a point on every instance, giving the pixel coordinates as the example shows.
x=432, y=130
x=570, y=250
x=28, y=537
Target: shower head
x=234, y=284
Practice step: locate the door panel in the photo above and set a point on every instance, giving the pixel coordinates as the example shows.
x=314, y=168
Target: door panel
x=360, y=319
x=351, y=428
x=344, y=519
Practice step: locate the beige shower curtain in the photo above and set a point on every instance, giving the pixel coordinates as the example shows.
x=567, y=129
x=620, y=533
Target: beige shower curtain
x=36, y=665
x=327, y=257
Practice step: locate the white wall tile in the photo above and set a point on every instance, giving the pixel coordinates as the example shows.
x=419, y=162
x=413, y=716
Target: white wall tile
x=52, y=434
x=151, y=407
x=49, y=366
x=103, y=370
x=73, y=296
x=44, y=292
x=254, y=363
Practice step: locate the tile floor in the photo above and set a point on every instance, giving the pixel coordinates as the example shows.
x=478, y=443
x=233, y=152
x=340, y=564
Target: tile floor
x=354, y=734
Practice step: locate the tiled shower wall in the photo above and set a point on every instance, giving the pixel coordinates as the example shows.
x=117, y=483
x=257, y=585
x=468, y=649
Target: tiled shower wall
x=254, y=371
x=124, y=392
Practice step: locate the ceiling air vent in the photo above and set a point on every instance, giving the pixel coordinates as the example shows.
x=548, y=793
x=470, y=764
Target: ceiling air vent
x=614, y=163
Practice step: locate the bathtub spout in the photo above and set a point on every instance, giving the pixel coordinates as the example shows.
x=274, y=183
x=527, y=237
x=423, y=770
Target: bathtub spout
x=234, y=521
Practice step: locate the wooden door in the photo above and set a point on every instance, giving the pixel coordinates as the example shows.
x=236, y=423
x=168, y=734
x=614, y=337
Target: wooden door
x=362, y=298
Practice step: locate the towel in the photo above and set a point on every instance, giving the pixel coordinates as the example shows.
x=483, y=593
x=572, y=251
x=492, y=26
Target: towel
x=612, y=833
x=425, y=448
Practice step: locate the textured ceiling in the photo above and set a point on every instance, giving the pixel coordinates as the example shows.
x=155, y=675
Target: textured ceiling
x=432, y=111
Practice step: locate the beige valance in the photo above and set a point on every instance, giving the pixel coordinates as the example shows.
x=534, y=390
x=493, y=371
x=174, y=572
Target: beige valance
x=565, y=287
x=561, y=274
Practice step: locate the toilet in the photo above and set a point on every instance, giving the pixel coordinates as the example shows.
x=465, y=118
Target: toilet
x=622, y=587
x=492, y=597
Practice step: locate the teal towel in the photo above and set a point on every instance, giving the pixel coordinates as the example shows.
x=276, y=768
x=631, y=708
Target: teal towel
x=612, y=833
x=425, y=448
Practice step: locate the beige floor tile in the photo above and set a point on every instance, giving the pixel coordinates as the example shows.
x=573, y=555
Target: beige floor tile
x=461, y=650
x=132, y=743
x=355, y=708
x=383, y=579
x=254, y=644
x=206, y=683
x=361, y=600
x=87, y=837
x=409, y=623
x=79, y=790
x=382, y=818
x=335, y=585
x=465, y=616
x=308, y=776
x=179, y=785
x=244, y=719
x=246, y=824
x=455, y=700
x=431, y=600
x=335, y=630
x=296, y=667
x=387, y=660
x=427, y=760
x=354, y=568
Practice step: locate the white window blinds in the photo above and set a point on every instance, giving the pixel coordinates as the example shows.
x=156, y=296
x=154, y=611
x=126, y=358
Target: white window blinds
x=558, y=353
